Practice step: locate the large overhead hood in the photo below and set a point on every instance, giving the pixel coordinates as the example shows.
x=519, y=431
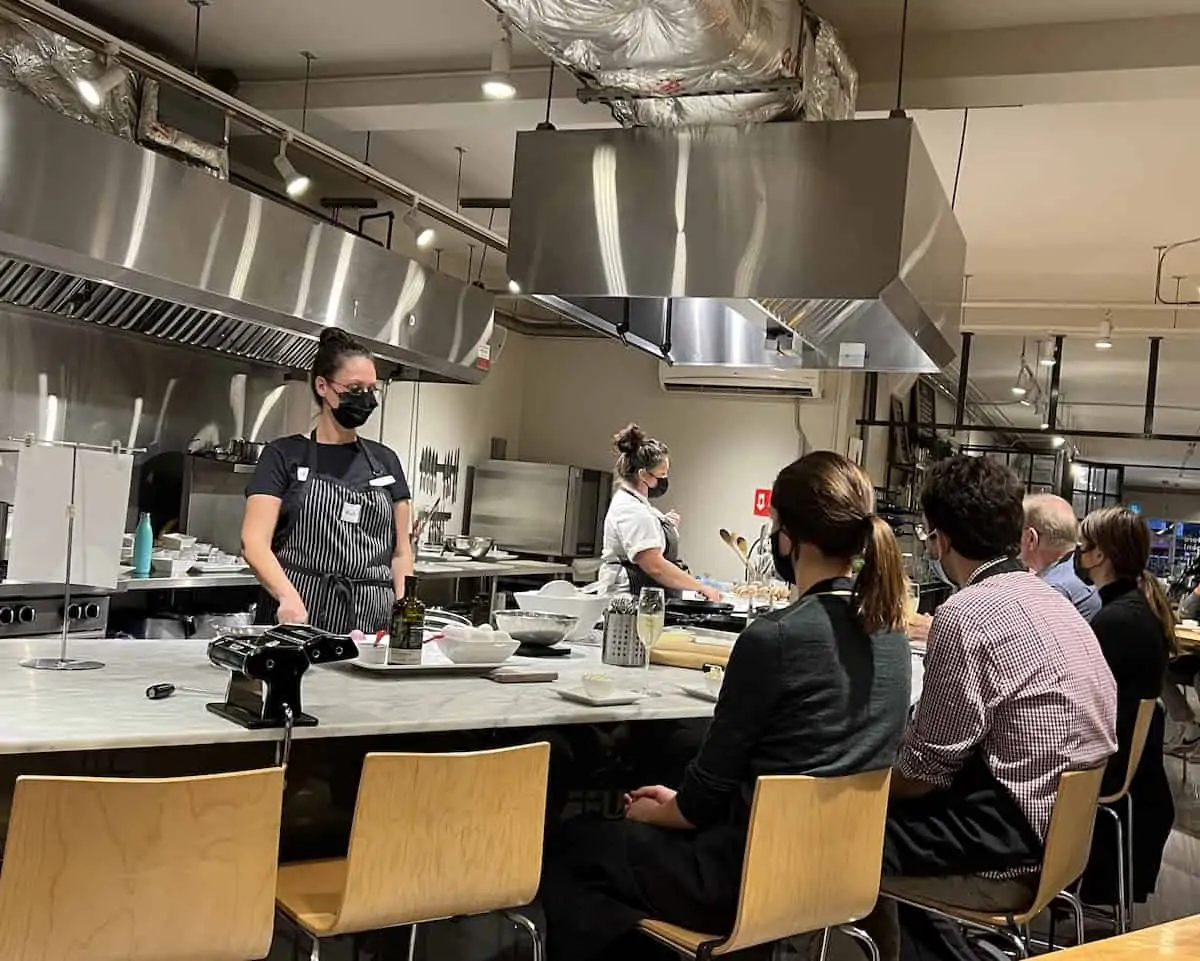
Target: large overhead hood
x=822, y=244
x=98, y=229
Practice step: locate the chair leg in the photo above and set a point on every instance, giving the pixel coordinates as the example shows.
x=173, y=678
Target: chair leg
x=1129, y=861
x=1120, y=921
x=825, y=944
x=1076, y=909
x=412, y=942
x=535, y=938
x=864, y=939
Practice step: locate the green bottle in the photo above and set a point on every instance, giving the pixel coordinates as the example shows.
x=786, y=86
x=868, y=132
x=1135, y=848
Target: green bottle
x=407, y=627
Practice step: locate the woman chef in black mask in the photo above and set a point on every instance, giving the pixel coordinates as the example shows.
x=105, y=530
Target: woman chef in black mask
x=326, y=528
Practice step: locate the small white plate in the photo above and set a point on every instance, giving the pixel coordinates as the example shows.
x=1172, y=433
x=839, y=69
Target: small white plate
x=703, y=693
x=580, y=696
x=202, y=567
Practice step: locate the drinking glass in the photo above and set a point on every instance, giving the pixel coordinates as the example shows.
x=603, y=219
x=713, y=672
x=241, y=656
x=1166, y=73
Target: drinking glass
x=651, y=617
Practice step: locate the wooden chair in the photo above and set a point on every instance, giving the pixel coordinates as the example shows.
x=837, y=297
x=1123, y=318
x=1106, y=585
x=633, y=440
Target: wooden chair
x=104, y=869
x=1137, y=746
x=812, y=863
x=1068, y=846
x=434, y=836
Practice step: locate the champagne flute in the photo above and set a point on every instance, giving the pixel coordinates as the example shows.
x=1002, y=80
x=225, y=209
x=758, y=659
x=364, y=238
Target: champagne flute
x=651, y=617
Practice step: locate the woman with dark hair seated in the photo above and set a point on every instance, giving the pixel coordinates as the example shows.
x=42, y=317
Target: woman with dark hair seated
x=1136, y=631
x=819, y=688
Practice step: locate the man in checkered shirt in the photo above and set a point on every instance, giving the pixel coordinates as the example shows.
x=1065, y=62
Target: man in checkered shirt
x=1016, y=692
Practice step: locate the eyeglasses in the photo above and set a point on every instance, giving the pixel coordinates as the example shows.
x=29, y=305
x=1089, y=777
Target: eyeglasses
x=356, y=389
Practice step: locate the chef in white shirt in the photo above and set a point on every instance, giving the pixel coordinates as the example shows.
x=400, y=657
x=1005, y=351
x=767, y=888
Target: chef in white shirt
x=641, y=544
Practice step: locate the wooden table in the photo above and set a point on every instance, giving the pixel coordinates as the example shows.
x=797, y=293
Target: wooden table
x=1179, y=939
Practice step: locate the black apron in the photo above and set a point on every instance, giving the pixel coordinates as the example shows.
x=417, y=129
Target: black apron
x=337, y=549
x=638, y=578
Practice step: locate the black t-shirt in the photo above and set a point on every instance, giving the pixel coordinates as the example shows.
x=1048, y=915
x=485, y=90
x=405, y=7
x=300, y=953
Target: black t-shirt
x=276, y=470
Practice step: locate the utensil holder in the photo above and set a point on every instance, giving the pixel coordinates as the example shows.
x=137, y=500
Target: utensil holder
x=621, y=647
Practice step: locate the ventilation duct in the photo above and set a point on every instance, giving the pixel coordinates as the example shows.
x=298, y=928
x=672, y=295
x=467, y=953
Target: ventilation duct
x=687, y=62
x=97, y=229
x=805, y=244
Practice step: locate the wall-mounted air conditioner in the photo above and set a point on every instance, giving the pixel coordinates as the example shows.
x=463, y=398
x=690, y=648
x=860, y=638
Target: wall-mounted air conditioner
x=750, y=381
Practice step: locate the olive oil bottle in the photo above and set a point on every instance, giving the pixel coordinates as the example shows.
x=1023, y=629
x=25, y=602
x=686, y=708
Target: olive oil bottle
x=407, y=627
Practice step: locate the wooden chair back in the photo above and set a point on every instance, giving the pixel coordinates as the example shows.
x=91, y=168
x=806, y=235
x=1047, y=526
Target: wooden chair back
x=444, y=835
x=108, y=869
x=1137, y=747
x=813, y=855
x=1069, y=838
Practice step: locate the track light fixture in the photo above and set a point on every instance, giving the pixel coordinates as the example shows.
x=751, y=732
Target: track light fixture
x=94, y=91
x=423, y=237
x=294, y=182
x=1104, y=341
x=498, y=85
x=514, y=288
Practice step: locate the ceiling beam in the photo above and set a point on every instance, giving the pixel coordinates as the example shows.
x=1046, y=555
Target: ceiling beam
x=1137, y=59
x=1150, y=58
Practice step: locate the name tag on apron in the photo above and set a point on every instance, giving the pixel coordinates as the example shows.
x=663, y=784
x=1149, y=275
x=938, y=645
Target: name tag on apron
x=351, y=513
x=301, y=474
x=383, y=481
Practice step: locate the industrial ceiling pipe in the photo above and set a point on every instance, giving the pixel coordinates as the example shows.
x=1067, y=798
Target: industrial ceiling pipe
x=133, y=57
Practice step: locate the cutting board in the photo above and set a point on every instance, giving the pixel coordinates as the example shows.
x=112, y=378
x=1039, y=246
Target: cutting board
x=676, y=650
x=1189, y=639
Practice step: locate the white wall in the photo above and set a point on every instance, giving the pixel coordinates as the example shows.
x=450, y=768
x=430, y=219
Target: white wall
x=460, y=417
x=578, y=393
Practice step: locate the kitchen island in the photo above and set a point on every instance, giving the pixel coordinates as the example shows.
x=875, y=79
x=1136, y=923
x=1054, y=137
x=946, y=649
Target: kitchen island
x=104, y=710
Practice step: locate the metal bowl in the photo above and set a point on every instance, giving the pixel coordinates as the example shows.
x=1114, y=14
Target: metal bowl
x=534, y=628
x=476, y=548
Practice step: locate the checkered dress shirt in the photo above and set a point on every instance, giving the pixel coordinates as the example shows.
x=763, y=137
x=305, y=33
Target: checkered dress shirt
x=1013, y=670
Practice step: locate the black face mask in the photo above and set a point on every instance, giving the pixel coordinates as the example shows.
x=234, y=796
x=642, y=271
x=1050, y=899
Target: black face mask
x=354, y=409
x=1080, y=571
x=659, y=489
x=785, y=567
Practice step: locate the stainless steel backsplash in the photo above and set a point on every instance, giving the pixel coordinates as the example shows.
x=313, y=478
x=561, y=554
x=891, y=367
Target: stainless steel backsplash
x=67, y=382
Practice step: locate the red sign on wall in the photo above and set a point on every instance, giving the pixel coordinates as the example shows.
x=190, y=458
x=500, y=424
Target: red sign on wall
x=762, y=502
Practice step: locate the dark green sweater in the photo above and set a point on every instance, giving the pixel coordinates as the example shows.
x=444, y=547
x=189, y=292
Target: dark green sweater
x=807, y=691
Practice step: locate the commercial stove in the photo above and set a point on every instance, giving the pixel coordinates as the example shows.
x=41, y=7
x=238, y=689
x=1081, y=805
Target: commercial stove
x=37, y=610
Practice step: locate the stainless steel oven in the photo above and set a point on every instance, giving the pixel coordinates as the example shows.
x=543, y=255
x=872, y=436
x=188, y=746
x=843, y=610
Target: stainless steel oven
x=554, y=510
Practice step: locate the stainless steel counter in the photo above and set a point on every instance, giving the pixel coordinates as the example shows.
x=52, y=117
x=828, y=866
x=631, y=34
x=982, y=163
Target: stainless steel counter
x=454, y=569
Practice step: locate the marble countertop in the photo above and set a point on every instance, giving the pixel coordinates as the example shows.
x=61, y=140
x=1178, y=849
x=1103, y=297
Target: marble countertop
x=108, y=709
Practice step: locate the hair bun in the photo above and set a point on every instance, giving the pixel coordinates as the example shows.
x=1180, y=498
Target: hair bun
x=630, y=440
x=335, y=337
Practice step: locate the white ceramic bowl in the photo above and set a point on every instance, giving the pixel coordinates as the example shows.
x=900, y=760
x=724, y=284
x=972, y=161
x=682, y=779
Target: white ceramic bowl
x=373, y=653
x=554, y=598
x=499, y=647
x=599, y=686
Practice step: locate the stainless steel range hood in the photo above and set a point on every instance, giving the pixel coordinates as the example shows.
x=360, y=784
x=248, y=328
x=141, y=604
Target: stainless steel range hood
x=96, y=228
x=826, y=244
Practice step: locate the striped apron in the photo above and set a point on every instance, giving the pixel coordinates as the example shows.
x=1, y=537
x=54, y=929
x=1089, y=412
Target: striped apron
x=337, y=549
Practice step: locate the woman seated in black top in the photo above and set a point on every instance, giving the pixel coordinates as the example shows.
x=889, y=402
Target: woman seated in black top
x=1136, y=630
x=819, y=688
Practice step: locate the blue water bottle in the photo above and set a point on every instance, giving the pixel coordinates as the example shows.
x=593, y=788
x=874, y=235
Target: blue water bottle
x=143, y=546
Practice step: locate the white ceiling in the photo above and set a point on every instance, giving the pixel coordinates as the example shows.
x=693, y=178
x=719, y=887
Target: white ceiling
x=1062, y=199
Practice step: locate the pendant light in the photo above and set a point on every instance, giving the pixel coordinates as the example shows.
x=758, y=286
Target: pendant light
x=498, y=85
